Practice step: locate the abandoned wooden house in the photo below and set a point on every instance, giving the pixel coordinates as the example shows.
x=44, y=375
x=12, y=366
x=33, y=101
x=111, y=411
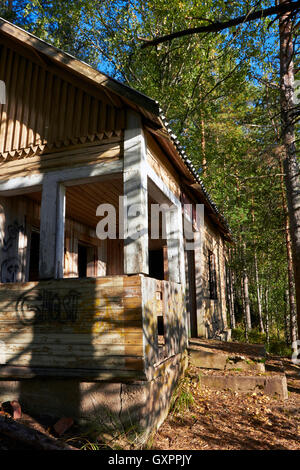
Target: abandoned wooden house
x=87, y=323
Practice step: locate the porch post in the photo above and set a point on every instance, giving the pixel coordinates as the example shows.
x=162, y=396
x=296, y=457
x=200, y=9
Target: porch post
x=52, y=223
x=199, y=270
x=175, y=245
x=136, y=257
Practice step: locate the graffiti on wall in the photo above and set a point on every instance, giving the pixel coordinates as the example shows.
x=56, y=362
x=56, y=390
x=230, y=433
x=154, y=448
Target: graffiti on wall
x=10, y=268
x=11, y=265
x=13, y=231
x=45, y=306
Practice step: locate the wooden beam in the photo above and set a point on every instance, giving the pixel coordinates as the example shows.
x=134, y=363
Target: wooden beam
x=136, y=256
x=69, y=176
x=52, y=230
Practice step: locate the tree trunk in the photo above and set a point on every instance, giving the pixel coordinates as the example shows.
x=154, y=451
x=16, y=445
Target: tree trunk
x=203, y=145
x=247, y=300
x=245, y=282
x=244, y=308
x=287, y=320
x=30, y=437
x=291, y=283
x=231, y=282
x=291, y=167
x=267, y=317
x=261, y=323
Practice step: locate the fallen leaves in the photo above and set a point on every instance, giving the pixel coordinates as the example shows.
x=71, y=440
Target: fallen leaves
x=231, y=420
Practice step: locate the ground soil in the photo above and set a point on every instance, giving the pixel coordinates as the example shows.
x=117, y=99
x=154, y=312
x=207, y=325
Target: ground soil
x=225, y=420
x=218, y=420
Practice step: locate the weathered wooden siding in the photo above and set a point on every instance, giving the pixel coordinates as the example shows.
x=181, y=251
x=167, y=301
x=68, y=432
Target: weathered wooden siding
x=211, y=316
x=107, y=150
x=82, y=323
x=108, y=323
x=47, y=109
x=162, y=166
x=163, y=298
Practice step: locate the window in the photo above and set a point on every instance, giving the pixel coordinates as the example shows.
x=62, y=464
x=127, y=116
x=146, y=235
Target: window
x=34, y=255
x=212, y=276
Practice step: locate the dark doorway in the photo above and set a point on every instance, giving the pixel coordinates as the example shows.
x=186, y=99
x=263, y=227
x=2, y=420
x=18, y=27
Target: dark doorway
x=156, y=264
x=82, y=260
x=34, y=256
x=191, y=292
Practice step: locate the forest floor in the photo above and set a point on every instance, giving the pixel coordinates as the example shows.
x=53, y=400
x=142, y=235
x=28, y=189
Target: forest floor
x=226, y=420
x=206, y=419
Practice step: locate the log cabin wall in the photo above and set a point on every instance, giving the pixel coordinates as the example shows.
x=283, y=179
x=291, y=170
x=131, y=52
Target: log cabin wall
x=83, y=324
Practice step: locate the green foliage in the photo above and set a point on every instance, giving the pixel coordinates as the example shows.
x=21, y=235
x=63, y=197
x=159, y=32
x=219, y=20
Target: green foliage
x=279, y=348
x=276, y=346
x=254, y=335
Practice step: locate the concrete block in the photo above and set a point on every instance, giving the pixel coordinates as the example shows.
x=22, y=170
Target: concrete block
x=245, y=365
x=207, y=359
x=274, y=385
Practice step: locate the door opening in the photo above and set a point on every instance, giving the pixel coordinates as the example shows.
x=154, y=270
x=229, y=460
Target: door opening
x=34, y=256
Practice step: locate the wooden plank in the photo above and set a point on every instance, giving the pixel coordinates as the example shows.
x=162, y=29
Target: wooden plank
x=23, y=372
x=40, y=108
x=61, y=134
x=70, y=110
x=18, y=119
x=11, y=98
x=77, y=113
x=26, y=106
x=23, y=336
x=48, y=100
x=35, y=90
x=85, y=350
x=106, y=332
x=4, y=117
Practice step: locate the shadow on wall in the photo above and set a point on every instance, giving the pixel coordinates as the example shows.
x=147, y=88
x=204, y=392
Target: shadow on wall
x=64, y=329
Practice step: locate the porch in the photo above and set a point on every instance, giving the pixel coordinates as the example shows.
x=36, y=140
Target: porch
x=100, y=329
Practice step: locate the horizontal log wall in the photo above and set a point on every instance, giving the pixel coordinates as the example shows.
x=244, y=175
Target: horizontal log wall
x=82, y=323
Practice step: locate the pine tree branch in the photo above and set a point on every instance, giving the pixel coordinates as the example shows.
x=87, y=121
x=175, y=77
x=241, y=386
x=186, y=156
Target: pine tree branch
x=220, y=26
